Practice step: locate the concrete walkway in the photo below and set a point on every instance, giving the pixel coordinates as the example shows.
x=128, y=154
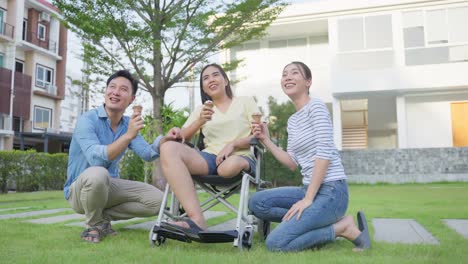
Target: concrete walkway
x=406, y=231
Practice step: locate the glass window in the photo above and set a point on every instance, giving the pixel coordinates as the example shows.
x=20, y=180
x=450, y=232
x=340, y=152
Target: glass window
x=414, y=37
x=297, y=42
x=427, y=56
x=19, y=66
x=41, y=34
x=278, y=44
x=2, y=17
x=457, y=21
x=350, y=34
x=25, y=28
x=42, y=117
x=1, y=59
x=458, y=53
x=413, y=19
x=379, y=32
x=44, y=76
x=436, y=23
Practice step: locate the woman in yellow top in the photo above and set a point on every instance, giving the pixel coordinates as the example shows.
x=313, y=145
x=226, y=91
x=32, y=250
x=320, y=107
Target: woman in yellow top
x=225, y=122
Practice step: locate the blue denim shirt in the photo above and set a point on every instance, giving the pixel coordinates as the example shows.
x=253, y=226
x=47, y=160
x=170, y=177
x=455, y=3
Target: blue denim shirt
x=88, y=147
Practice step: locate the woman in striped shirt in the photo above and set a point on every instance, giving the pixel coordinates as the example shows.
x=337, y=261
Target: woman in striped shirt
x=312, y=214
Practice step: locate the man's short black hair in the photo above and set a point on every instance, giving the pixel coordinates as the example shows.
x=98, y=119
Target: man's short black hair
x=127, y=75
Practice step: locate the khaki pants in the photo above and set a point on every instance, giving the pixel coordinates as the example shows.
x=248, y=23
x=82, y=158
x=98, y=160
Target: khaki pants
x=103, y=199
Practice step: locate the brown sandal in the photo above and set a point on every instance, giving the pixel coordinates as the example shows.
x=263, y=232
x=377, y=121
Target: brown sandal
x=87, y=233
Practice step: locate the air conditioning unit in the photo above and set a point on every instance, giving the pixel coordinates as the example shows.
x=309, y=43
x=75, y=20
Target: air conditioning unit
x=45, y=16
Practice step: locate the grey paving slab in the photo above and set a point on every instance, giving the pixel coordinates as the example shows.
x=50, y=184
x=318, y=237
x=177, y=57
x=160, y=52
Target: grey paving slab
x=33, y=213
x=11, y=209
x=228, y=225
x=148, y=225
x=406, y=231
x=459, y=225
x=55, y=219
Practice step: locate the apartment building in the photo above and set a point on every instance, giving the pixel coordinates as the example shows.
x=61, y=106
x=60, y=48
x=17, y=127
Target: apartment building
x=33, y=46
x=393, y=73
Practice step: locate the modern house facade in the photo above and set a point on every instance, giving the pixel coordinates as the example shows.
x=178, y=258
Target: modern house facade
x=33, y=55
x=393, y=73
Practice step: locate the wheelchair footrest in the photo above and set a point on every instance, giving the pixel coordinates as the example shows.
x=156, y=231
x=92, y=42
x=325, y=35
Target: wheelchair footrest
x=217, y=236
x=171, y=234
x=201, y=237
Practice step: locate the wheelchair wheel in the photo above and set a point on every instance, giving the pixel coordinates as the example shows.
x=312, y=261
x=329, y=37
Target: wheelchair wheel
x=160, y=240
x=156, y=239
x=245, y=240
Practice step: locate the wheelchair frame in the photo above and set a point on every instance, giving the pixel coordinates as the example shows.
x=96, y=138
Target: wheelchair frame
x=220, y=189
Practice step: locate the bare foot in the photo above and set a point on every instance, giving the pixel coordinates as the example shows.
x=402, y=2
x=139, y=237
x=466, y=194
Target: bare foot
x=185, y=224
x=346, y=228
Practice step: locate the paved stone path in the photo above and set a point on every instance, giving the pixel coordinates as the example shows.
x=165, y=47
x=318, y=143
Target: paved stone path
x=459, y=225
x=33, y=213
x=406, y=231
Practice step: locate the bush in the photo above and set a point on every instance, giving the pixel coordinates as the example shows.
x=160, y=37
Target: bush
x=26, y=171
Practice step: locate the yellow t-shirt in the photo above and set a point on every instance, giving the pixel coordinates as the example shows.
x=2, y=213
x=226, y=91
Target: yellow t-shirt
x=224, y=128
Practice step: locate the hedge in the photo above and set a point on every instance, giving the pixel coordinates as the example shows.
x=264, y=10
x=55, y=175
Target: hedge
x=26, y=171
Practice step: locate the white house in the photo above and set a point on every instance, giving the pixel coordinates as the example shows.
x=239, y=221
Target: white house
x=394, y=73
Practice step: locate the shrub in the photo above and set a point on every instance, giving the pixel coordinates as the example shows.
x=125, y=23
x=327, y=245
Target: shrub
x=26, y=171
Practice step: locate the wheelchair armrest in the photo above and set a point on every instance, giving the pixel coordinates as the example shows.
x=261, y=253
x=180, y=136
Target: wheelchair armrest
x=257, y=145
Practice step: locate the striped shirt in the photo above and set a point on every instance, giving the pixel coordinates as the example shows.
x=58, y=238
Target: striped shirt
x=310, y=137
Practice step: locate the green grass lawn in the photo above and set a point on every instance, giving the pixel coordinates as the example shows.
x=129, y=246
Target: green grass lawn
x=427, y=203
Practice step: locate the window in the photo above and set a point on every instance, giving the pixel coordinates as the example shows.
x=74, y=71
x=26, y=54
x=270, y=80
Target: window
x=1, y=59
x=43, y=76
x=2, y=18
x=25, y=28
x=42, y=117
x=284, y=43
x=435, y=36
x=41, y=34
x=362, y=33
x=19, y=66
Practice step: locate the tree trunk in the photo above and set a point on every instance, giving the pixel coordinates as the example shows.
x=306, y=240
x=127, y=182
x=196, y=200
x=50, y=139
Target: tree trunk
x=157, y=177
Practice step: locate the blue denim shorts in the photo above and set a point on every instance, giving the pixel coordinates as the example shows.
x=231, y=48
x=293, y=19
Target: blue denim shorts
x=213, y=168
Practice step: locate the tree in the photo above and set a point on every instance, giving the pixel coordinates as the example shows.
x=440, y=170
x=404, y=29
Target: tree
x=281, y=114
x=163, y=41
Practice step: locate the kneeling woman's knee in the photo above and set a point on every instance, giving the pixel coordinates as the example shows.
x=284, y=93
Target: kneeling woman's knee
x=274, y=243
x=253, y=203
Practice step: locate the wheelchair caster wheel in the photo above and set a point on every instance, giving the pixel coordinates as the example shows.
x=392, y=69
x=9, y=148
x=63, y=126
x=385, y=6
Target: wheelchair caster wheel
x=246, y=240
x=160, y=240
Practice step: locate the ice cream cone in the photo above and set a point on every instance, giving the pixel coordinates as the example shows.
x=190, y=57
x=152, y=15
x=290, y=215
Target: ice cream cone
x=137, y=108
x=209, y=103
x=257, y=117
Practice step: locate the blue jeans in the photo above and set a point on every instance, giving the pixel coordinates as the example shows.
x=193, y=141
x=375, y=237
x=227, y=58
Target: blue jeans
x=316, y=223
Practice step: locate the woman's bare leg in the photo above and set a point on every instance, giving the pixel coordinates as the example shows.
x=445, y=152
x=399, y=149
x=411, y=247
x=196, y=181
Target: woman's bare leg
x=178, y=163
x=232, y=166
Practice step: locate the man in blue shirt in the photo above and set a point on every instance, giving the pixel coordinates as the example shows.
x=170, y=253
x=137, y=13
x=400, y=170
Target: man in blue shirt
x=99, y=141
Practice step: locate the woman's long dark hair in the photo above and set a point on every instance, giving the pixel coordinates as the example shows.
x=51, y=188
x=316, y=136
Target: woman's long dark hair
x=204, y=96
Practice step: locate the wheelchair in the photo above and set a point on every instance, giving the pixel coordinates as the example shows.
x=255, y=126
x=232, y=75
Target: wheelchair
x=219, y=190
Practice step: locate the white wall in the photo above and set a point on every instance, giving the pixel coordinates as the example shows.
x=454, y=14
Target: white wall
x=260, y=72
x=429, y=122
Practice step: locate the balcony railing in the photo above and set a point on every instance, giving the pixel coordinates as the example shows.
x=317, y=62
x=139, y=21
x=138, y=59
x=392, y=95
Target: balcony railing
x=7, y=30
x=44, y=43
